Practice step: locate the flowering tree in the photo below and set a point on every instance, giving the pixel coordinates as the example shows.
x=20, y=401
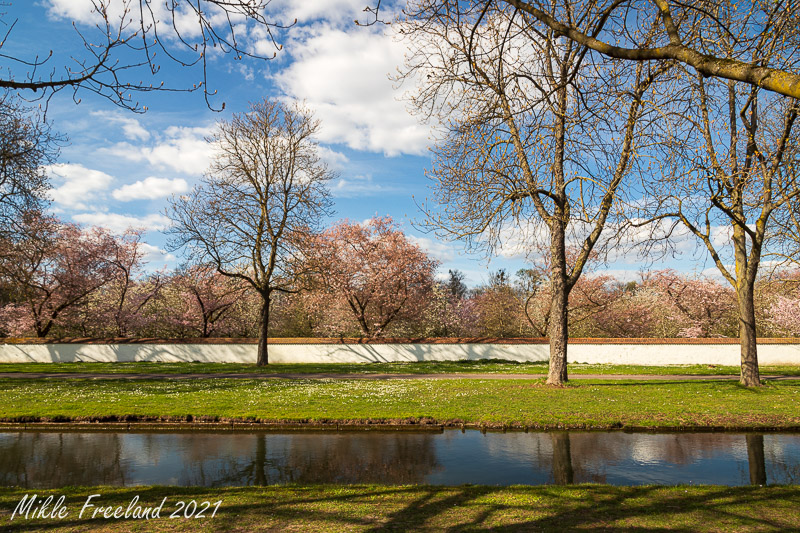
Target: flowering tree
x=372, y=267
x=702, y=306
x=124, y=298
x=206, y=300
x=54, y=269
x=781, y=297
x=634, y=313
x=785, y=313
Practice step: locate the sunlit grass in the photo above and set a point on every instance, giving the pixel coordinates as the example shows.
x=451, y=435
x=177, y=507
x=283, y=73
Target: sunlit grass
x=475, y=401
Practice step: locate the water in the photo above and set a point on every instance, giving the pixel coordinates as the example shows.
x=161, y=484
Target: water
x=50, y=460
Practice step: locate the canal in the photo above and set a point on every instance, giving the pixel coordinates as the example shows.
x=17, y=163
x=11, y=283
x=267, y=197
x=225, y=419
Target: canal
x=54, y=459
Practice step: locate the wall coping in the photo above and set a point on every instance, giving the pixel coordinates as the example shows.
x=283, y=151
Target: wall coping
x=421, y=340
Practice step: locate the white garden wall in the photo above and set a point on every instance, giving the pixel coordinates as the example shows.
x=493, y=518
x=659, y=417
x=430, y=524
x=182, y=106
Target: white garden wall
x=617, y=352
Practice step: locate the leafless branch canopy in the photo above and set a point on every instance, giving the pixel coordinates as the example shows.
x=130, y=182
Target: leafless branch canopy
x=131, y=40
x=262, y=195
x=683, y=35
x=26, y=144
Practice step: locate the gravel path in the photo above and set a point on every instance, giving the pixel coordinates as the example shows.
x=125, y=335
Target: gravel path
x=249, y=375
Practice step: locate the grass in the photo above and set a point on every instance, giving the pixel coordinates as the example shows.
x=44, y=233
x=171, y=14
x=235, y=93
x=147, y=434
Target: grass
x=426, y=508
x=585, y=404
x=428, y=367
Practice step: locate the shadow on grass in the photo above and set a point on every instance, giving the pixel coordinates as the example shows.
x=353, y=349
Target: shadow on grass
x=466, y=508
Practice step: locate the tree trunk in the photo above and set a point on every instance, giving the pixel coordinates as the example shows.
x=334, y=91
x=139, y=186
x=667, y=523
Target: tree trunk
x=263, y=353
x=755, y=459
x=749, y=376
x=557, y=327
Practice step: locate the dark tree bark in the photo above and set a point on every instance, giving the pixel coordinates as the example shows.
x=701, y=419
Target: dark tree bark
x=749, y=376
x=557, y=326
x=263, y=337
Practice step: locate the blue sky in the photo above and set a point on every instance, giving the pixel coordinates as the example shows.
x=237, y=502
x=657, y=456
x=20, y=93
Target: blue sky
x=119, y=167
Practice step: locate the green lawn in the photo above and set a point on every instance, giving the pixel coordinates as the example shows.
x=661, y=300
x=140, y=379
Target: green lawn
x=425, y=508
x=482, y=366
x=584, y=404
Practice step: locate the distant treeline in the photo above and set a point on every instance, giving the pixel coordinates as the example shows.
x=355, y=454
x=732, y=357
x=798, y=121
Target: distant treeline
x=65, y=281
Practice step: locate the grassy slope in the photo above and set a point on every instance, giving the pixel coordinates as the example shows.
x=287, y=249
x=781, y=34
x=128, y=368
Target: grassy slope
x=422, y=508
x=515, y=402
x=483, y=366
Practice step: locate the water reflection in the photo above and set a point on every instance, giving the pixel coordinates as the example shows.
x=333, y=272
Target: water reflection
x=38, y=459
x=755, y=459
x=28, y=459
x=563, y=474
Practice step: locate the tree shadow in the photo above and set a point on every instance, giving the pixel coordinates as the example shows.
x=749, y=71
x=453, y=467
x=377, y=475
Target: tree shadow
x=465, y=508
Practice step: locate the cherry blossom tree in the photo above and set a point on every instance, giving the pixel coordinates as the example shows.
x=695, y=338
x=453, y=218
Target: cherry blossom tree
x=704, y=307
x=380, y=276
x=124, y=299
x=785, y=313
x=632, y=315
x=781, y=297
x=206, y=300
x=54, y=269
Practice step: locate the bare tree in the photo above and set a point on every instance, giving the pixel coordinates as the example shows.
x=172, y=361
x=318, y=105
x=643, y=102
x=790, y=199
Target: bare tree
x=540, y=135
x=727, y=176
x=26, y=145
x=126, y=42
x=621, y=29
x=263, y=195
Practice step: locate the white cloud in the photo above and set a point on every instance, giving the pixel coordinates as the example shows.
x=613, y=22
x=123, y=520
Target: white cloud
x=131, y=128
x=81, y=11
x=339, y=11
x=357, y=186
x=118, y=223
x=344, y=77
x=154, y=254
x=335, y=160
x=436, y=249
x=621, y=275
x=150, y=189
x=182, y=149
x=78, y=185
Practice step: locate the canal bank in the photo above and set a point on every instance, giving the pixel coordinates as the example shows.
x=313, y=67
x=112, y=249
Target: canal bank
x=517, y=403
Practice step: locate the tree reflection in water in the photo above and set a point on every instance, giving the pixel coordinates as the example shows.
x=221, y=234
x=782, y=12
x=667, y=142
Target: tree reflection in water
x=583, y=457
x=395, y=459
x=755, y=459
x=562, y=459
x=51, y=460
x=42, y=459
